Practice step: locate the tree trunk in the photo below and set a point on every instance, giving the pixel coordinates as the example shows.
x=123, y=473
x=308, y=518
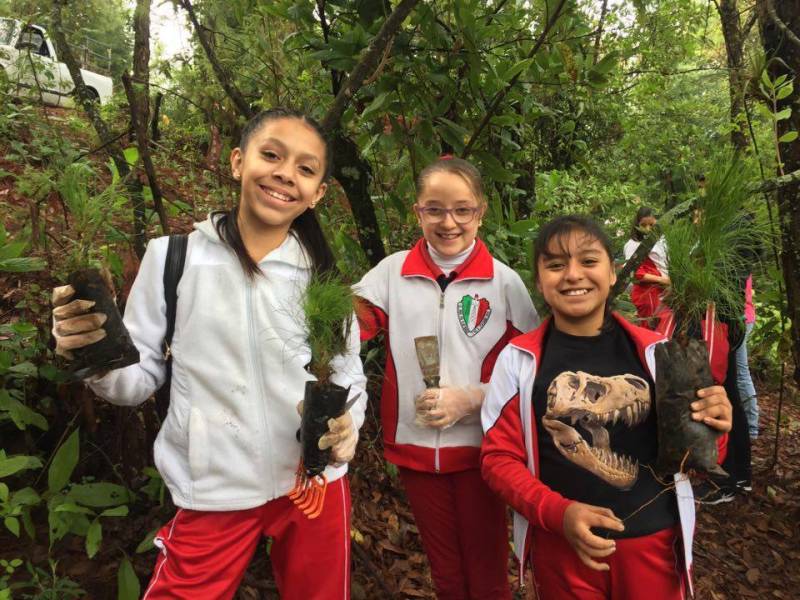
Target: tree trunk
x=734, y=46
x=350, y=169
x=355, y=175
x=139, y=99
x=87, y=100
x=777, y=44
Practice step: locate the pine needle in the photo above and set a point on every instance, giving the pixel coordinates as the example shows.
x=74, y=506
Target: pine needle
x=710, y=258
x=328, y=307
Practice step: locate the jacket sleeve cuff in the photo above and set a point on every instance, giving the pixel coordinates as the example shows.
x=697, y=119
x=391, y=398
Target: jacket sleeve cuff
x=553, y=514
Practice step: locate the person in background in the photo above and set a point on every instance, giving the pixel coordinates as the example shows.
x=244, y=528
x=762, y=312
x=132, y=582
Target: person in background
x=652, y=275
x=744, y=380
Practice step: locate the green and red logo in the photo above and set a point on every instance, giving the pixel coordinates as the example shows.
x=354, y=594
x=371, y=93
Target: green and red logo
x=473, y=312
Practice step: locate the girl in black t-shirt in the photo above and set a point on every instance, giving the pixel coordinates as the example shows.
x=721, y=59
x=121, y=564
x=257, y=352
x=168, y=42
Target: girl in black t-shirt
x=570, y=428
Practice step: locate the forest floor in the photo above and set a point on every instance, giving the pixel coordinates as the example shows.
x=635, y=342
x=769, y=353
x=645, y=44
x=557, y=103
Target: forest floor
x=748, y=548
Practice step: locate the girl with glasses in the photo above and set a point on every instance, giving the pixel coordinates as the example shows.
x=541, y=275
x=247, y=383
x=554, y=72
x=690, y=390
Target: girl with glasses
x=448, y=286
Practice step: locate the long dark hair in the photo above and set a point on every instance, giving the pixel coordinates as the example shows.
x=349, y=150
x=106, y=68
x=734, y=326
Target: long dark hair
x=306, y=226
x=559, y=229
x=643, y=212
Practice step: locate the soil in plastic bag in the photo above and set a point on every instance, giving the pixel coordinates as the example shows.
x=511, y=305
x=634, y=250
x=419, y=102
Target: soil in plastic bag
x=114, y=351
x=680, y=372
x=322, y=402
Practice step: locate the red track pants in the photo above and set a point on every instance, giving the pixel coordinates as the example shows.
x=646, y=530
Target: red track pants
x=463, y=529
x=204, y=555
x=648, y=567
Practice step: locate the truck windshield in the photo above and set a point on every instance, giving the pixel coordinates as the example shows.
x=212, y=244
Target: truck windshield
x=6, y=31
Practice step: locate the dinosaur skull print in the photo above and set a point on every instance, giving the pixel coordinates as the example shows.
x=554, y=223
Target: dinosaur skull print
x=596, y=403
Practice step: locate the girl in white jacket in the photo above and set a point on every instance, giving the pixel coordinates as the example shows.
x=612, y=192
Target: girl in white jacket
x=448, y=286
x=227, y=449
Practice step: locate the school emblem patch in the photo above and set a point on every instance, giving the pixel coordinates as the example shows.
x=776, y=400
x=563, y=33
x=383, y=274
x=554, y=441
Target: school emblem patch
x=473, y=313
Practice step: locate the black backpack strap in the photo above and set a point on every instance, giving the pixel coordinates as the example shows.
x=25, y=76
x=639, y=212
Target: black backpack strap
x=173, y=270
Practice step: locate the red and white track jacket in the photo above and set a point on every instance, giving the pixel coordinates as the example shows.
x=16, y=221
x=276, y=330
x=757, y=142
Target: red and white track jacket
x=509, y=455
x=484, y=306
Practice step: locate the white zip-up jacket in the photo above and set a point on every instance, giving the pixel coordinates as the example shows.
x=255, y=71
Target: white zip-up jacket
x=239, y=352
x=481, y=309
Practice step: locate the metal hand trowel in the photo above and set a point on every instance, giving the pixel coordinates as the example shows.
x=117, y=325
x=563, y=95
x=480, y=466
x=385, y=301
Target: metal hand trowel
x=428, y=357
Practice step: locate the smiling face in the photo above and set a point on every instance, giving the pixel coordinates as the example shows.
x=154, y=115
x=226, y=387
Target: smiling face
x=281, y=171
x=447, y=190
x=575, y=275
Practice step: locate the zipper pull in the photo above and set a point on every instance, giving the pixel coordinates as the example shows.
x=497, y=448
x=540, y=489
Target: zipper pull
x=441, y=300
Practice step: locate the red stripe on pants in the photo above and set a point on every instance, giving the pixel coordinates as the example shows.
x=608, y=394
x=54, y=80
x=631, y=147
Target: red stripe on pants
x=463, y=529
x=640, y=567
x=205, y=554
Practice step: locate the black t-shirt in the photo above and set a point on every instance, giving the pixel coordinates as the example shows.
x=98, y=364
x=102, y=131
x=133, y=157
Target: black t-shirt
x=595, y=416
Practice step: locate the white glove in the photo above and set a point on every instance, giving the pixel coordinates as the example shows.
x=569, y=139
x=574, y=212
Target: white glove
x=341, y=438
x=444, y=407
x=73, y=326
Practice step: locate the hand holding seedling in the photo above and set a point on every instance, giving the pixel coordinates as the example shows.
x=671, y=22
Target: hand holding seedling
x=579, y=518
x=443, y=407
x=73, y=325
x=341, y=438
x=713, y=408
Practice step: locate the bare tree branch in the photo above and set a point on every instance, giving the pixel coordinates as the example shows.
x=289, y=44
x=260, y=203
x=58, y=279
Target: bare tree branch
x=790, y=35
x=490, y=111
x=223, y=76
x=367, y=64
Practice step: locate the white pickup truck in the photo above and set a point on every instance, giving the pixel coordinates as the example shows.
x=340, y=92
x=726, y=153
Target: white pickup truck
x=27, y=56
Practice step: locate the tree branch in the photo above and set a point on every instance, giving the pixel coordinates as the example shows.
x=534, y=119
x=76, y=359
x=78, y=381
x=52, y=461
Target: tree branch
x=504, y=92
x=223, y=76
x=139, y=102
x=367, y=64
x=90, y=106
x=790, y=35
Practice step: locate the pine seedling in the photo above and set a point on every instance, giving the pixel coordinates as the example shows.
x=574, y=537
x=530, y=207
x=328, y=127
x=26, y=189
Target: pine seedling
x=328, y=308
x=90, y=212
x=711, y=254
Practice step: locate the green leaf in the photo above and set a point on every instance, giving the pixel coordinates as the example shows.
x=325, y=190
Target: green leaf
x=376, y=105
x=147, y=543
x=25, y=369
x=783, y=114
x=15, y=464
x=3, y=492
x=12, y=524
x=99, y=495
x=605, y=64
x=131, y=154
x=127, y=583
x=71, y=507
x=93, y=538
x=117, y=511
x=21, y=265
x=21, y=414
x=787, y=137
x=784, y=91
x=517, y=68
x=12, y=249
x=63, y=463
x=25, y=497
x=525, y=228
x=766, y=81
